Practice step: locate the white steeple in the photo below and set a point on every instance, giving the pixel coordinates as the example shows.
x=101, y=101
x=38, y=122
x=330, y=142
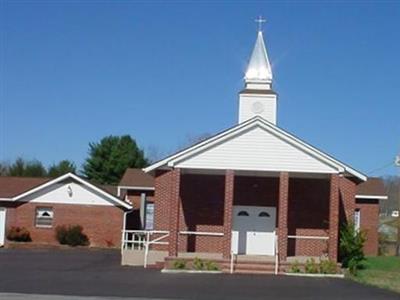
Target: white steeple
x=258, y=98
x=259, y=68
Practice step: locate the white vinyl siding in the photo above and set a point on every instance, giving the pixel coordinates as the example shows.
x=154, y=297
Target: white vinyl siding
x=256, y=149
x=68, y=193
x=246, y=111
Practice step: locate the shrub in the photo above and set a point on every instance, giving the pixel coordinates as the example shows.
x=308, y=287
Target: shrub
x=295, y=267
x=198, y=263
x=327, y=266
x=351, y=247
x=311, y=266
x=19, y=234
x=179, y=264
x=71, y=235
x=211, y=266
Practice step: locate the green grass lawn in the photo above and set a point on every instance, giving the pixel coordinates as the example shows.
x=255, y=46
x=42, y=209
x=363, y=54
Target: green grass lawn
x=381, y=271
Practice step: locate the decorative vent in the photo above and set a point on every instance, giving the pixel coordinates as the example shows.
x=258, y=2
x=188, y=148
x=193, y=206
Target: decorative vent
x=243, y=213
x=264, y=214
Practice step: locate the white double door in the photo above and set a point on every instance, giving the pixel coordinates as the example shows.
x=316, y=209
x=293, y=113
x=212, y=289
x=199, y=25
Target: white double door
x=253, y=231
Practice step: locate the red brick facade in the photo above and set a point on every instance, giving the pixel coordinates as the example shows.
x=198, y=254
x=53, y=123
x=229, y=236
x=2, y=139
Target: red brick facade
x=369, y=211
x=283, y=209
x=333, y=218
x=305, y=207
x=102, y=224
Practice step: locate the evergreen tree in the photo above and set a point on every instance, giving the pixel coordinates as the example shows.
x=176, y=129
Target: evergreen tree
x=63, y=167
x=22, y=168
x=109, y=159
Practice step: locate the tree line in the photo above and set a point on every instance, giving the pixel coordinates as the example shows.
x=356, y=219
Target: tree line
x=106, y=162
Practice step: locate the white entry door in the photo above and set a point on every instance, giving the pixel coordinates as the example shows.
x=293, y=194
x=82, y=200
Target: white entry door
x=253, y=230
x=2, y=226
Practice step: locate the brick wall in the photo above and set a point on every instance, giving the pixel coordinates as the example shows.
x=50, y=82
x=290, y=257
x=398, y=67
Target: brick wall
x=102, y=224
x=308, y=215
x=347, y=199
x=202, y=209
x=369, y=212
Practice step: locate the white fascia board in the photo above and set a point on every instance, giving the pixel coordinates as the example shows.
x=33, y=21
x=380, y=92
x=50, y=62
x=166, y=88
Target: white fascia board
x=382, y=197
x=40, y=187
x=166, y=161
x=254, y=169
x=173, y=159
x=315, y=150
x=6, y=199
x=80, y=180
x=144, y=188
x=271, y=129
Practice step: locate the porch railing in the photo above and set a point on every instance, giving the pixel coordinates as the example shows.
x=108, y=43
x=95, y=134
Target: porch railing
x=142, y=239
x=204, y=233
x=308, y=237
x=233, y=255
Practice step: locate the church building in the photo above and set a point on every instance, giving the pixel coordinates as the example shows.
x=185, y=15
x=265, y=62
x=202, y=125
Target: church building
x=255, y=192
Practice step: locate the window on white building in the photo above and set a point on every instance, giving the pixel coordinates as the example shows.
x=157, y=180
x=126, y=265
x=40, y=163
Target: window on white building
x=357, y=219
x=44, y=217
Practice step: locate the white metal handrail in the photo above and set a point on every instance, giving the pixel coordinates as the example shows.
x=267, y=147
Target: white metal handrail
x=142, y=239
x=308, y=237
x=232, y=261
x=201, y=233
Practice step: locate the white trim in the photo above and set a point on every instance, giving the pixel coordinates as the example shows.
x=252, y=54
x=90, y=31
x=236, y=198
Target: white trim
x=202, y=233
x=144, y=188
x=78, y=179
x=256, y=121
x=308, y=237
x=371, y=197
x=6, y=199
x=5, y=226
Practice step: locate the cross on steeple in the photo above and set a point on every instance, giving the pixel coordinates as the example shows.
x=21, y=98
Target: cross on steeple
x=260, y=20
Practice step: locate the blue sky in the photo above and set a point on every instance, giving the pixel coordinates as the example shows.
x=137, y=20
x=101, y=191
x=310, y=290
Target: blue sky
x=73, y=72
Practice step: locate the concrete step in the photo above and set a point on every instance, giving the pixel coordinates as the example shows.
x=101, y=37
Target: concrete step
x=250, y=272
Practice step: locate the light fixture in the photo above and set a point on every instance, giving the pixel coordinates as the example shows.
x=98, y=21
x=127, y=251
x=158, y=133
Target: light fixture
x=69, y=191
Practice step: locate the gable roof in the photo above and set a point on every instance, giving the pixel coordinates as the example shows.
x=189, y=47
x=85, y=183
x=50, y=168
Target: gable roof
x=13, y=186
x=259, y=122
x=22, y=187
x=136, y=178
x=372, y=188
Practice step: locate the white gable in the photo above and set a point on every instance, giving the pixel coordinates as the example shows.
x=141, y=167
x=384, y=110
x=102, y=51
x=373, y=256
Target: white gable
x=69, y=192
x=256, y=149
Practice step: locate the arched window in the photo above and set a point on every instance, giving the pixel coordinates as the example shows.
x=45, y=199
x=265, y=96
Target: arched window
x=243, y=213
x=263, y=214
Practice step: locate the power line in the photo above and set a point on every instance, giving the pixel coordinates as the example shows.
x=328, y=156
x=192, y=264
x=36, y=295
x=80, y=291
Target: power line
x=391, y=164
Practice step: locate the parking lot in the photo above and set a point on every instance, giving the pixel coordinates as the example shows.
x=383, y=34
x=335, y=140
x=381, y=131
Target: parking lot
x=90, y=272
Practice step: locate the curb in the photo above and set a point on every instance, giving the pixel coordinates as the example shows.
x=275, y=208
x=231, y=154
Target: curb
x=189, y=271
x=316, y=275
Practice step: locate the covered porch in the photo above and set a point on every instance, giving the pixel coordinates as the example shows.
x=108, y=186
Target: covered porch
x=221, y=213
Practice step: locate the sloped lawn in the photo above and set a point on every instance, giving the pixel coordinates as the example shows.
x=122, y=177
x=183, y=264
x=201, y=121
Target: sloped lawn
x=382, y=271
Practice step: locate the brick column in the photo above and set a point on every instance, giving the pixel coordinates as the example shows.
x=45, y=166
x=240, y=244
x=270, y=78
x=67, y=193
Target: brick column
x=228, y=203
x=283, y=215
x=174, y=212
x=333, y=218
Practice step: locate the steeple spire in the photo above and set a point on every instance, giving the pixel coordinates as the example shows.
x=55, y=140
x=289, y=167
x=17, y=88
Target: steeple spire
x=259, y=68
x=258, y=98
